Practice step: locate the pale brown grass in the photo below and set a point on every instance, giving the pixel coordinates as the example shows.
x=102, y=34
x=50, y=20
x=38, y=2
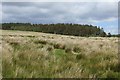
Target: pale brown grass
x=90, y=57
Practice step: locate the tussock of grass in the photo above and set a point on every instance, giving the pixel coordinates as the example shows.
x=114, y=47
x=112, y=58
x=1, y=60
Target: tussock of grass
x=80, y=56
x=32, y=36
x=77, y=49
x=50, y=48
x=59, y=46
x=15, y=45
x=68, y=50
x=40, y=42
x=40, y=46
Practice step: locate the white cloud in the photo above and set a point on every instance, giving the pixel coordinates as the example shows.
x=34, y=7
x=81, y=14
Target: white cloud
x=60, y=12
x=93, y=12
x=60, y=0
x=0, y=12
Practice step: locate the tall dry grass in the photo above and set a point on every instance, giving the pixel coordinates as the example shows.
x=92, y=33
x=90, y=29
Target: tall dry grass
x=40, y=55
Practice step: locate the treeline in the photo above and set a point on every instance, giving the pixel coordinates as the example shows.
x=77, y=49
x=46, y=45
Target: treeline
x=60, y=28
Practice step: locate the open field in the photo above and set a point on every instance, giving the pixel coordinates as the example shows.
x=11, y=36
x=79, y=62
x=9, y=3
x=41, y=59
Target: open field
x=40, y=55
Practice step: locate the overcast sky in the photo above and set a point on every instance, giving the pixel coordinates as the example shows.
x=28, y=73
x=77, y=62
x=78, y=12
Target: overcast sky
x=103, y=14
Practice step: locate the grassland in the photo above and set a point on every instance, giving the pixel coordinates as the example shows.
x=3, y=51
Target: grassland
x=41, y=55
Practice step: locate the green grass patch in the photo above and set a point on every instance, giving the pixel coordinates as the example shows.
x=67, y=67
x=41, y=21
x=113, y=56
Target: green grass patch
x=59, y=52
x=7, y=72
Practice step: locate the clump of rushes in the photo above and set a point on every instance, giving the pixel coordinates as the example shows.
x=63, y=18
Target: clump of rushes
x=56, y=46
x=40, y=42
x=77, y=49
x=68, y=50
x=50, y=48
x=101, y=45
x=59, y=46
x=40, y=46
x=15, y=45
x=80, y=56
x=32, y=36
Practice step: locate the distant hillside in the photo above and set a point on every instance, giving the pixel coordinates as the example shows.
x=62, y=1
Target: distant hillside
x=60, y=28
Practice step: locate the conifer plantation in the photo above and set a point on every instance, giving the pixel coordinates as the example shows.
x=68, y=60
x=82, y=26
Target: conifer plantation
x=60, y=28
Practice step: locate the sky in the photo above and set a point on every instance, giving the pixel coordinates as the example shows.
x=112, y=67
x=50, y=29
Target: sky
x=103, y=14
